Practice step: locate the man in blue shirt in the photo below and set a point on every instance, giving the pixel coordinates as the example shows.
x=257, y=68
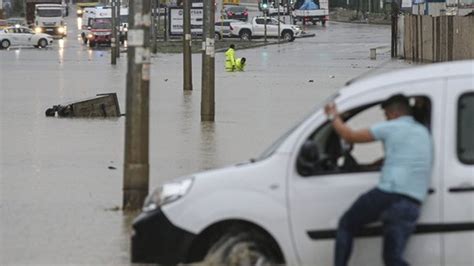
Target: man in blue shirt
x=403, y=184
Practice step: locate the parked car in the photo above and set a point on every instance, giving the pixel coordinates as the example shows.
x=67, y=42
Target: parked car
x=222, y=28
x=23, y=36
x=284, y=206
x=236, y=12
x=3, y=24
x=256, y=29
x=16, y=21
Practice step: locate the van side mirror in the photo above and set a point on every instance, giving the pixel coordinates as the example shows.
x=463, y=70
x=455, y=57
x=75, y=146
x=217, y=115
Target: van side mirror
x=308, y=159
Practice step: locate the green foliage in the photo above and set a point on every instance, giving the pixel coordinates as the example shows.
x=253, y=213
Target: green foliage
x=18, y=8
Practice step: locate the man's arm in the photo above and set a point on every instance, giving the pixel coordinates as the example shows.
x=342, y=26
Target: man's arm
x=348, y=134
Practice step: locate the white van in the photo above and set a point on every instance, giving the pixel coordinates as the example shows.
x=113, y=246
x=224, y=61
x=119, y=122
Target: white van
x=279, y=208
x=91, y=13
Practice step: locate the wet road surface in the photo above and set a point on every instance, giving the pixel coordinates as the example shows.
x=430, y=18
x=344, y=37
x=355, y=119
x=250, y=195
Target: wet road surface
x=59, y=201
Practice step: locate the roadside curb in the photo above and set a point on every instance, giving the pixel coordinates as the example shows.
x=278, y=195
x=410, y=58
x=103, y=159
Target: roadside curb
x=253, y=46
x=360, y=22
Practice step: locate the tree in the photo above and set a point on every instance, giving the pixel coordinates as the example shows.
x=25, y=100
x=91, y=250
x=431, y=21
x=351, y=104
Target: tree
x=18, y=8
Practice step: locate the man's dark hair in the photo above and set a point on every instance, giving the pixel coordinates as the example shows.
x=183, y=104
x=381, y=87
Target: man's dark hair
x=243, y=60
x=397, y=102
x=232, y=46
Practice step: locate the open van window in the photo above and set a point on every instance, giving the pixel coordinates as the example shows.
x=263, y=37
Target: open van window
x=324, y=152
x=271, y=149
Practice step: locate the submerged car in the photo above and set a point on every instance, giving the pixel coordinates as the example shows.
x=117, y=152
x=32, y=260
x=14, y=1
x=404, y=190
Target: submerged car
x=23, y=36
x=283, y=207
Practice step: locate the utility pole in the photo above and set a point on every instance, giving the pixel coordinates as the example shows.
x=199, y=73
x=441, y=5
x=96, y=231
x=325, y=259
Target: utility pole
x=265, y=23
x=279, y=33
x=165, y=25
x=154, y=48
x=208, y=61
x=118, y=26
x=136, y=167
x=187, y=42
x=113, y=50
x=395, y=11
x=158, y=24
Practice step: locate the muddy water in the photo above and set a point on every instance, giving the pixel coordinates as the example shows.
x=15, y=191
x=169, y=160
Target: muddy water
x=59, y=199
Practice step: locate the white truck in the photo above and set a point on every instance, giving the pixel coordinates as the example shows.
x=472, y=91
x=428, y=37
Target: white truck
x=302, y=14
x=49, y=19
x=256, y=29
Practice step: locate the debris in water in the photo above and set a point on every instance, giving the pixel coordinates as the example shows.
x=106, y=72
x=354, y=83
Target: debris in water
x=113, y=209
x=112, y=167
x=103, y=105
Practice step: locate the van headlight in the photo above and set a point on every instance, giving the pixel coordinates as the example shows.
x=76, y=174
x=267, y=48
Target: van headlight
x=167, y=193
x=61, y=30
x=38, y=30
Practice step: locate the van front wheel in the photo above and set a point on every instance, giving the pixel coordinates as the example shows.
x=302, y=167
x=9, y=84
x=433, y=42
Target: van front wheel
x=241, y=249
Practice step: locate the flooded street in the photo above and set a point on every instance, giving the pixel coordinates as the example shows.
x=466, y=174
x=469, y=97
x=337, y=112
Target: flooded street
x=61, y=179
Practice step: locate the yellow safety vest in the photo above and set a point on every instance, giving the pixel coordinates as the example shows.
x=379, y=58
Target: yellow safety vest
x=239, y=65
x=230, y=60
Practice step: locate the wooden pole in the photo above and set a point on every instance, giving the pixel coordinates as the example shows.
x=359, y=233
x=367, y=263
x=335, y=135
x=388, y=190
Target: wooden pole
x=208, y=61
x=136, y=167
x=187, y=42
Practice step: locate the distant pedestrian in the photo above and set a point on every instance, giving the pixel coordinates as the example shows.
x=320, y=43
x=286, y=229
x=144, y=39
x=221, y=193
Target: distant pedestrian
x=230, y=59
x=403, y=184
x=240, y=64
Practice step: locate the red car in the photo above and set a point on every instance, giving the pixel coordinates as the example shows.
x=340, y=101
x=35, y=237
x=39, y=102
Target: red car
x=236, y=12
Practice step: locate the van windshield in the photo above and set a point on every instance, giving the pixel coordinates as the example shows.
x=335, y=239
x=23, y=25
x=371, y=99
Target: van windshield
x=103, y=23
x=270, y=150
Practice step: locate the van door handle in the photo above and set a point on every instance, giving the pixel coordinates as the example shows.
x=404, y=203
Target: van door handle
x=462, y=188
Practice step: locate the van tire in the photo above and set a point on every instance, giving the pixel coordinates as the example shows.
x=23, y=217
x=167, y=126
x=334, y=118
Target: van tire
x=246, y=248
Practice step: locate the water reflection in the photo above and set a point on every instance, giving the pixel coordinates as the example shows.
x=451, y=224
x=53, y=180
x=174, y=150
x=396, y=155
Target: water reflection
x=89, y=54
x=17, y=54
x=79, y=23
x=264, y=56
x=61, y=50
x=208, y=146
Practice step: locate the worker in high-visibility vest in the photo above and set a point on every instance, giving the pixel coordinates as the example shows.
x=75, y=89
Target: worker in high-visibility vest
x=230, y=59
x=240, y=64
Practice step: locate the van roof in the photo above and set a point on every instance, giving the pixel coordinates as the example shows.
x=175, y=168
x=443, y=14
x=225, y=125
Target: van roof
x=426, y=72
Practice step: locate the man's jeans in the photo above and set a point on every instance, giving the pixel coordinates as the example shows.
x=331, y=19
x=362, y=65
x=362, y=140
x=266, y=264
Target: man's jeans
x=398, y=214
